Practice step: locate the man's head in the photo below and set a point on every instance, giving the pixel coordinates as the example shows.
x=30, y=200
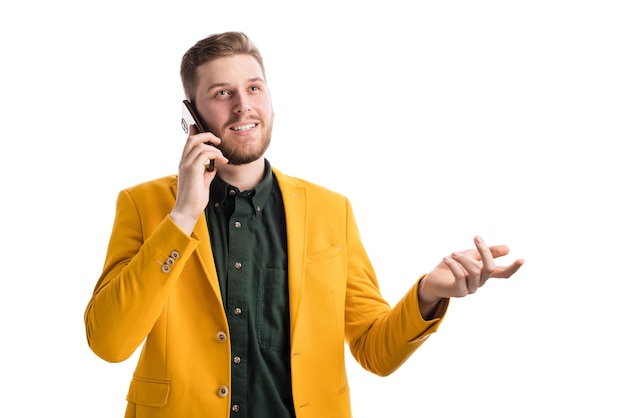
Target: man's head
x=223, y=75
x=215, y=46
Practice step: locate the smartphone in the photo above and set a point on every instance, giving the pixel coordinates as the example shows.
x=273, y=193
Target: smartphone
x=190, y=117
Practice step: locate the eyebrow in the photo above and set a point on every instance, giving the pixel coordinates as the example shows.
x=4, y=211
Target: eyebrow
x=250, y=80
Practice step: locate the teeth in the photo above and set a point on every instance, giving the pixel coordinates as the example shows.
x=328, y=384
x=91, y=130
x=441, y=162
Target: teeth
x=244, y=127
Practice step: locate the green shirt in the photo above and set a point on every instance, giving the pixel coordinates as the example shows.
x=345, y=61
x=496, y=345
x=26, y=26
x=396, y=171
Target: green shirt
x=249, y=242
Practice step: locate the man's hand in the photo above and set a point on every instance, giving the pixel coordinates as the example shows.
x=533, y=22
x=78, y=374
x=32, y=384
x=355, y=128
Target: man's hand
x=462, y=273
x=194, y=180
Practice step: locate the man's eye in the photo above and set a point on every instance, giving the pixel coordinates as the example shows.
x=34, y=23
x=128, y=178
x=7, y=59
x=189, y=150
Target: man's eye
x=254, y=88
x=222, y=93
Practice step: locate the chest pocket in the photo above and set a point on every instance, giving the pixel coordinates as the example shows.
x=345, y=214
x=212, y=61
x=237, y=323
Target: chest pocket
x=273, y=310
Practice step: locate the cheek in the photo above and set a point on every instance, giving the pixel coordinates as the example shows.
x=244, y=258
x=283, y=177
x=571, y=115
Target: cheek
x=268, y=111
x=214, y=118
x=264, y=104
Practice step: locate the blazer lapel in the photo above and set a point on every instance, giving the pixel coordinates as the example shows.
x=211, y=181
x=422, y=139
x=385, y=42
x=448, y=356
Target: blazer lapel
x=204, y=253
x=294, y=199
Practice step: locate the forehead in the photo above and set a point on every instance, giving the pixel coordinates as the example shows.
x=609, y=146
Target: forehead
x=230, y=70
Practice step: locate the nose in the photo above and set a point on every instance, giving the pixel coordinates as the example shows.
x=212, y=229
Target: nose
x=242, y=105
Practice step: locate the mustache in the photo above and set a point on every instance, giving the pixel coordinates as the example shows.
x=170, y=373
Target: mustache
x=240, y=118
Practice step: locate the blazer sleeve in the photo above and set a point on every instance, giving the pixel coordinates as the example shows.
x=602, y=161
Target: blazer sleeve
x=142, y=264
x=381, y=338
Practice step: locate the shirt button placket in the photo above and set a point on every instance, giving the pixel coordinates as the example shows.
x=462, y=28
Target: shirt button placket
x=238, y=254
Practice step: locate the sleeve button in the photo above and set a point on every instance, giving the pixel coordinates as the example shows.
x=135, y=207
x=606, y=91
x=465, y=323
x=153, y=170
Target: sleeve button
x=222, y=391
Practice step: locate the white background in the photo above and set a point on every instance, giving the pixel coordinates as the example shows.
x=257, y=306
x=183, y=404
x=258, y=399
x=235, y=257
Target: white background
x=439, y=120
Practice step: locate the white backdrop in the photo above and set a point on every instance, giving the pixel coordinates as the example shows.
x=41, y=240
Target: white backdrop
x=504, y=119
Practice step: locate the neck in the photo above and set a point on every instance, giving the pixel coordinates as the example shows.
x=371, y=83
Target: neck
x=245, y=176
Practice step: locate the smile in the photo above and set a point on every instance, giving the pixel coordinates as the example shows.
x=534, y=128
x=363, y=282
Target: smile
x=244, y=127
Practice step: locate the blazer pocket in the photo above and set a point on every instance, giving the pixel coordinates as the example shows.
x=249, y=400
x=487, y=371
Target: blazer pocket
x=324, y=254
x=149, y=392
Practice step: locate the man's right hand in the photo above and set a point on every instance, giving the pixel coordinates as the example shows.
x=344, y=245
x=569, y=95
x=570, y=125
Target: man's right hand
x=194, y=180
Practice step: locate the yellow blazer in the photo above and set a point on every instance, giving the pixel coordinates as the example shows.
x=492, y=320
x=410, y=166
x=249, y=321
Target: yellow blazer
x=159, y=287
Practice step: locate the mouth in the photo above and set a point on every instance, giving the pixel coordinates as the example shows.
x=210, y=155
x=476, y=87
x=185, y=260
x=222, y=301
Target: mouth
x=244, y=128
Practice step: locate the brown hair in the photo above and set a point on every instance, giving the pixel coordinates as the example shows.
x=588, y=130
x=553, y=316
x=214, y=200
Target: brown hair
x=213, y=47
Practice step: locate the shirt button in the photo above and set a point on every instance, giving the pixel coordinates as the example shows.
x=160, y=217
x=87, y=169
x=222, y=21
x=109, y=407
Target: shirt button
x=232, y=192
x=258, y=208
x=237, y=311
x=235, y=408
x=238, y=265
x=237, y=359
x=222, y=391
x=237, y=224
x=221, y=336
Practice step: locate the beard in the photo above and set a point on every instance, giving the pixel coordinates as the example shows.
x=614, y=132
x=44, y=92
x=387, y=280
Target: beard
x=239, y=154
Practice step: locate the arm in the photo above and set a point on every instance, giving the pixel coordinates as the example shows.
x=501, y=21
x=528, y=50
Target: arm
x=394, y=334
x=133, y=288
x=381, y=338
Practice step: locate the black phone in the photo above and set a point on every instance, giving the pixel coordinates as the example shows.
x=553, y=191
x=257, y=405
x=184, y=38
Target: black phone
x=190, y=117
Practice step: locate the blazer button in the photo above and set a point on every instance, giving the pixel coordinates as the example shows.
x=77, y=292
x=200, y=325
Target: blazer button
x=165, y=268
x=222, y=391
x=221, y=336
x=170, y=261
x=174, y=254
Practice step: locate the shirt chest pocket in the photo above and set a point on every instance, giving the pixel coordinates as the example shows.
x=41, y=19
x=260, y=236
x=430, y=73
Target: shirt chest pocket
x=273, y=310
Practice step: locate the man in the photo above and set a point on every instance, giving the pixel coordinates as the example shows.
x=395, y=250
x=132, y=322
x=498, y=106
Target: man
x=244, y=283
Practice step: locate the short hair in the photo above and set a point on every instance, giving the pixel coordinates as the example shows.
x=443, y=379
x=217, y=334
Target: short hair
x=213, y=47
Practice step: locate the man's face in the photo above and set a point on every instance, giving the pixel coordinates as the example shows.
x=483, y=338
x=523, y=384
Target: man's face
x=235, y=104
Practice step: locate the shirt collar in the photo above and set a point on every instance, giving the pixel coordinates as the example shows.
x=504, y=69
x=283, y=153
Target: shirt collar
x=258, y=196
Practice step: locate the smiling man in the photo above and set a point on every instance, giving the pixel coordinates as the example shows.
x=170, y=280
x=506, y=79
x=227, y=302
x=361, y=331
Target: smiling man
x=243, y=283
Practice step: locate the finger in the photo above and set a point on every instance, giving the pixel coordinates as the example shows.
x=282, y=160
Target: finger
x=192, y=142
x=192, y=155
x=499, y=250
x=505, y=272
x=206, y=153
x=488, y=264
x=460, y=276
x=472, y=268
x=209, y=139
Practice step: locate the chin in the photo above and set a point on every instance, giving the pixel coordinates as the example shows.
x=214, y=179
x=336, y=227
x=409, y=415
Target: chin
x=241, y=157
